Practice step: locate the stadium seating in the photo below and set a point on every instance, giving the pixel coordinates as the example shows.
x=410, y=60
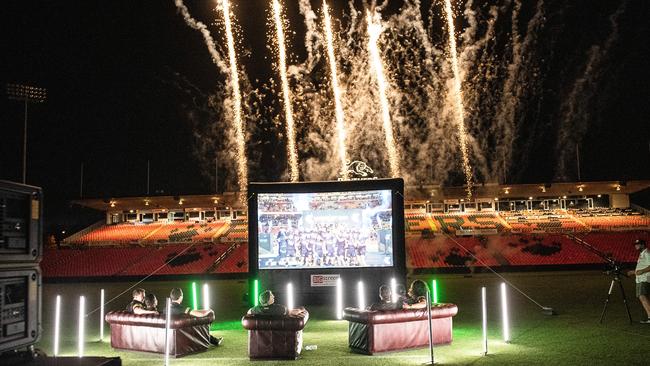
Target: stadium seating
x=123, y=233
x=236, y=261
x=511, y=238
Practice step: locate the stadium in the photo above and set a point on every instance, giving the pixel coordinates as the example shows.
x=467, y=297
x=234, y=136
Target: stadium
x=530, y=227
x=314, y=182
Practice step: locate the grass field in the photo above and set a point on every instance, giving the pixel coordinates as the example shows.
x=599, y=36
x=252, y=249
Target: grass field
x=573, y=337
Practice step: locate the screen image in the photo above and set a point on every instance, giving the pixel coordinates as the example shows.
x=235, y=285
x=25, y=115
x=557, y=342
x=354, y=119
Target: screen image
x=325, y=230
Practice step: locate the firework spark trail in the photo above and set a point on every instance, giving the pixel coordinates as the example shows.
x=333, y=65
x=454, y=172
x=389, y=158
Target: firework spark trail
x=575, y=110
x=209, y=42
x=242, y=171
x=477, y=74
x=292, y=152
x=312, y=35
x=374, y=30
x=458, y=98
x=340, y=117
x=519, y=80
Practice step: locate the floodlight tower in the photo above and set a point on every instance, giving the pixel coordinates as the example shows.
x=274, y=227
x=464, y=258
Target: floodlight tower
x=27, y=94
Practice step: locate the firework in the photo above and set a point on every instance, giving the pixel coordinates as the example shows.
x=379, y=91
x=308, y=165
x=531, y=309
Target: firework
x=292, y=153
x=374, y=31
x=242, y=172
x=457, y=95
x=340, y=116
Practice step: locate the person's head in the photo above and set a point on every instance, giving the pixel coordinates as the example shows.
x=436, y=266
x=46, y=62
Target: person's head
x=176, y=295
x=266, y=298
x=385, y=293
x=639, y=244
x=138, y=294
x=418, y=288
x=150, y=301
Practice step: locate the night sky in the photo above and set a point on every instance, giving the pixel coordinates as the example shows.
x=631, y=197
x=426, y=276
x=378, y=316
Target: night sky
x=110, y=69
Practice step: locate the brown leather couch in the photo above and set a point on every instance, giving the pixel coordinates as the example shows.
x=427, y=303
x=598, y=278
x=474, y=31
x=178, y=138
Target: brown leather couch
x=147, y=333
x=372, y=332
x=274, y=337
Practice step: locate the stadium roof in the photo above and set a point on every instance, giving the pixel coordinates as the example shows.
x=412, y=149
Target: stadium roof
x=420, y=193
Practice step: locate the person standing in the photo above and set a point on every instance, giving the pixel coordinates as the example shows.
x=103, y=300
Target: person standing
x=642, y=275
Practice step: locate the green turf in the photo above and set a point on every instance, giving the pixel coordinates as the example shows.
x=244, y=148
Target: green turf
x=573, y=337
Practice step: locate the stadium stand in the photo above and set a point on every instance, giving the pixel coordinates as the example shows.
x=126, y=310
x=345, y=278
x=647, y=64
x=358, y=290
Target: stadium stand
x=124, y=233
x=534, y=238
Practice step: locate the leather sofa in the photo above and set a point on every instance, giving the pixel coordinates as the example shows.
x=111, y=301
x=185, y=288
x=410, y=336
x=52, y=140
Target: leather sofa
x=372, y=332
x=274, y=337
x=146, y=333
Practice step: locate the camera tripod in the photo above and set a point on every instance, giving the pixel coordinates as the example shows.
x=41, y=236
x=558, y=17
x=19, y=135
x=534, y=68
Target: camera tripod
x=615, y=272
x=616, y=277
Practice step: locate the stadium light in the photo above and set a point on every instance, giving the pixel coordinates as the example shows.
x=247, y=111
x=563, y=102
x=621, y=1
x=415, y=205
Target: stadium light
x=339, y=298
x=101, y=316
x=484, y=311
x=256, y=292
x=434, y=289
x=362, y=296
x=393, y=289
x=504, y=313
x=27, y=94
x=195, y=304
x=206, y=296
x=57, y=322
x=168, y=310
x=80, y=335
x=289, y=296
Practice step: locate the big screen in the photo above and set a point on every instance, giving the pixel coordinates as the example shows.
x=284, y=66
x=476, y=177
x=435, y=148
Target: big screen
x=325, y=230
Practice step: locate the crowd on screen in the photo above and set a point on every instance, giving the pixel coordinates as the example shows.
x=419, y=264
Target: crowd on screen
x=323, y=244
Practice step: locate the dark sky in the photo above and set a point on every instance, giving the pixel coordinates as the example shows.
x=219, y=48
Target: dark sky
x=107, y=64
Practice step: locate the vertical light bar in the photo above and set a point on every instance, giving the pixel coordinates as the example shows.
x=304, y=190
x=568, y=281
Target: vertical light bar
x=393, y=289
x=484, y=311
x=504, y=313
x=168, y=311
x=256, y=292
x=434, y=287
x=195, y=304
x=339, y=298
x=101, y=315
x=206, y=296
x=57, y=322
x=80, y=335
x=362, y=296
x=430, y=330
x=289, y=296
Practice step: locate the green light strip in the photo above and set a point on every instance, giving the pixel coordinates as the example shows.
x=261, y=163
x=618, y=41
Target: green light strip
x=194, y=297
x=256, y=292
x=434, y=286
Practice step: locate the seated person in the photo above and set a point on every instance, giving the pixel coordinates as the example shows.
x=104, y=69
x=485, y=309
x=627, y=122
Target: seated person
x=417, y=295
x=136, y=306
x=176, y=296
x=401, y=294
x=267, y=306
x=151, y=302
x=386, y=303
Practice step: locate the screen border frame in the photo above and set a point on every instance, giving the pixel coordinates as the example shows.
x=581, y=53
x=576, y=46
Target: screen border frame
x=395, y=185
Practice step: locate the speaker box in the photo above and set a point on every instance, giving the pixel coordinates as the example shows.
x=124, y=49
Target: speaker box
x=21, y=224
x=20, y=307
